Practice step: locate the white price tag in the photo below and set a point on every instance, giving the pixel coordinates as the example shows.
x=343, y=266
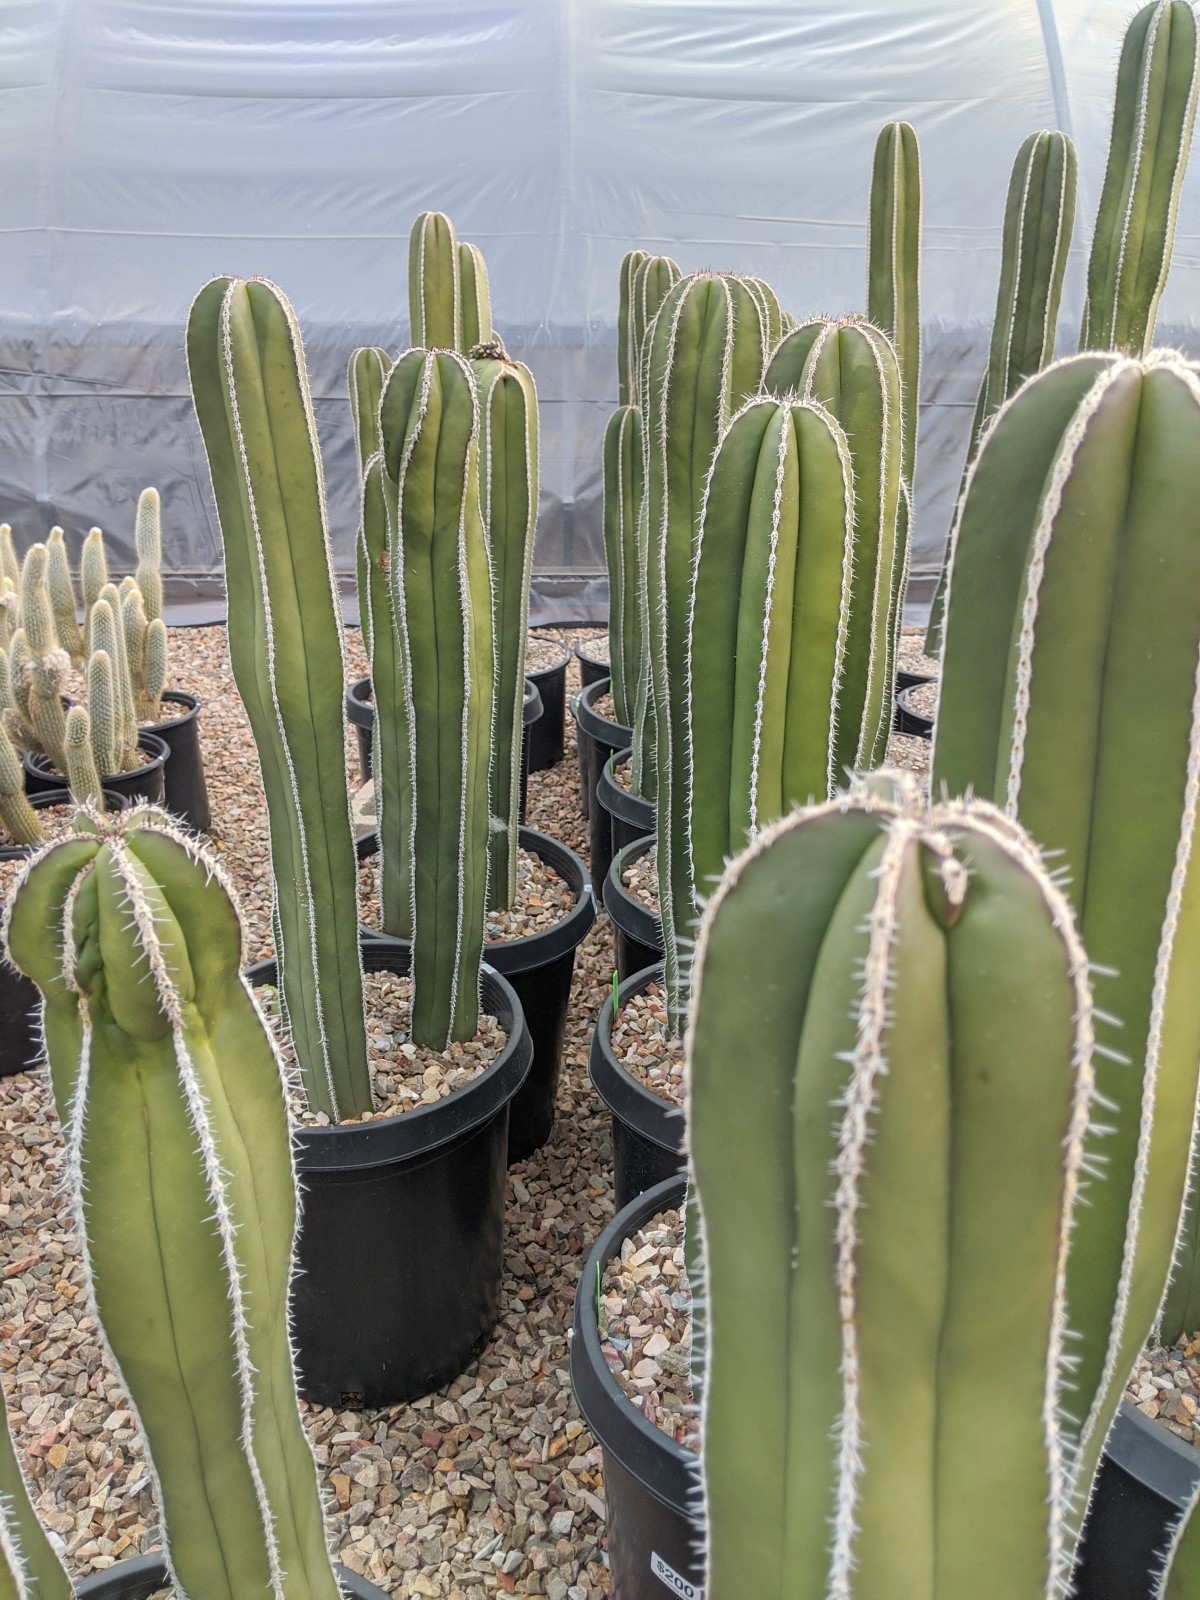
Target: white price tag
x=677, y=1585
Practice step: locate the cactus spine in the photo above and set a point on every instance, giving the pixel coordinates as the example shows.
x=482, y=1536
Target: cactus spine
x=441, y=606
x=147, y=538
x=250, y=390
x=850, y=367
x=707, y=352
x=920, y=974
x=162, y=1069
x=624, y=485
x=508, y=490
x=29, y=1568
x=1151, y=138
x=771, y=607
x=1077, y=539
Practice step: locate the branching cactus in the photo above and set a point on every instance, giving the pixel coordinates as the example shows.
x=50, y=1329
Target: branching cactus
x=653, y=281
x=170, y=1094
x=1039, y=216
x=624, y=485
x=1070, y=698
x=147, y=539
x=894, y=264
x=1153, y=114
x=910, y=1000
x=628, y=344
x=438, y=577
x=475, y=303
x=250, y=390
x=449, y=303
x=39, y=666
x=365, y=378
x=508, y=495
x=29, y=1567
x=850, y=367
x=707, y=353
x=771, y=609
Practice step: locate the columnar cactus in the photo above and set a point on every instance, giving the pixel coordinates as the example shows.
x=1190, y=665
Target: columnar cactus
x=18, y=816
x=624, y=485
x=850, y=367
x=170, y=1094
x=1153, y=113
x=38, y=664
x=1180, y=1577
x=437, y=567
x=449, y=306
x=475, y=303
x=897, y=1166
x=508, y=495
x=653, y=280
x=365, y=377
x=83, y=769
x=628, y=345
x=93, y=569
x=1069, y=697
x=250, y=390
x=29, y=1568
x=771, y=614
x=706, y=356
x=147, y=539
x=894, y=264
x=10, y=567
x=1039, y=215
x=61, y=591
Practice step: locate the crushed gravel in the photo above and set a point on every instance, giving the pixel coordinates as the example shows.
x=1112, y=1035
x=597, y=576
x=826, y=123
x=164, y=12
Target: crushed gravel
x=543, y=650
x=1165, y=1386
x=640, y=877
x=912, y=653
x=913, y=754
x=923, y=700
x=641, y=1043
x=543, y=898
x=645, y=1316
x=595, y=646
x=604, y=707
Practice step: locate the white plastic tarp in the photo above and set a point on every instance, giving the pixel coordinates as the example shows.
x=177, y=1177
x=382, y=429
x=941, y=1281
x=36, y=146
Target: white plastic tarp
x=148, y=144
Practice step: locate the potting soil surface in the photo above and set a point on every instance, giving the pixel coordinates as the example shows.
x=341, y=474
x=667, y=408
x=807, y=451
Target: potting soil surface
x=594, y=645
x=641, y=1043
x=640, y=877
x=1165, y=1386
x=543, y=898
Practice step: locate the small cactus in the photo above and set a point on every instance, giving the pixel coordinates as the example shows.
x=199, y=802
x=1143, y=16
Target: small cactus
x=93, y=569
x=170, y=1094
x=147, y=538
x=83, y=771
x=18, y=816
x=10, y=567
x=61, y=590
x=365, y=377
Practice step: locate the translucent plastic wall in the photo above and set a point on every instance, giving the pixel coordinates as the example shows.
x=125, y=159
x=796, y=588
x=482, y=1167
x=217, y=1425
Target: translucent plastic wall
x=148, y=144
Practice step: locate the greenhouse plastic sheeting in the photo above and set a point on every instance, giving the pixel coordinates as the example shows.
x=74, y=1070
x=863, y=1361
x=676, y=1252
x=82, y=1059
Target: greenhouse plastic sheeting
x=149, y=144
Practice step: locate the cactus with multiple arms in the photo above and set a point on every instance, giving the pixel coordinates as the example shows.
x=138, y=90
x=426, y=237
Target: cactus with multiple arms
x=1077, y=540
x=849, y=367
x=449, y=306
x=508, y=492
x=770, y=622
x=160, y=1063
x=437, y=570
x=29, y=1568
x=1153, y=113
x=918, y=973
x=250, y=390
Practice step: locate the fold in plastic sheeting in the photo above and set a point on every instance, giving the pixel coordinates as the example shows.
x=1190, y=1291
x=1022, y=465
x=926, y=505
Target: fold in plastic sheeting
x=149, y=144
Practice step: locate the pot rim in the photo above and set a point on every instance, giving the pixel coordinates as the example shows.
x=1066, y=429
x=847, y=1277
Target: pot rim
x=623, y=803
x=147, y=741
x=113, y=801
x=634, y=919
x=139, y=1576
x=604, y=731
x=652, y=1117
x=582, y=654
x=191, y=704
x=555, y=667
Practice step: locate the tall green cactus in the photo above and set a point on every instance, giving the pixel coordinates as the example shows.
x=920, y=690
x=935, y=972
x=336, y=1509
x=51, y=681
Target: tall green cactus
x=897, y=1177
x=428, y=486
x=449, y=304
x=475, y=302
x=628, y=345
x=653, y=281
x=43, y=665
x=250, y=390
x=1153, y=113
x=771, y=609
x=707, y=353
x=61, y=591
x=850, y=368
x=894, y=264
x=29, y=1568
x=170, y=1093
x=1039, y=215
x=624, y=486
x=508, y=496
x=1070, y=698
x=365, y=378
x=147, y=539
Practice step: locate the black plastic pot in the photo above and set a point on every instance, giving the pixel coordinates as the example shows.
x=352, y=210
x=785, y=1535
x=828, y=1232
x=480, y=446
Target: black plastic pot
x=637, y=932
x=654, y=1545
x=540, y=968
x=141, y=1576
x=143, y=783
x=20, y=1041
x=911, y=680
x=547, y=734
x=598, y=739
x=361, y=714
x=185, y=791
x=630, y=816
x=401, y=1246
x=1146, y=1480
x=592, y=668
x=647, y=1132
x=908, y=721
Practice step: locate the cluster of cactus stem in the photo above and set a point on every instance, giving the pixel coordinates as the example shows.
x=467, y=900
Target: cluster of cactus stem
x=170, y=1093
x=449, y=303
x=914, y=998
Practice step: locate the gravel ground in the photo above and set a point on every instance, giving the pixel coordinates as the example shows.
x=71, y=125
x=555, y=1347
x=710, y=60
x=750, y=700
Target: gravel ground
x=642, y=1045
x=491, y=1486
x=1166, y=1387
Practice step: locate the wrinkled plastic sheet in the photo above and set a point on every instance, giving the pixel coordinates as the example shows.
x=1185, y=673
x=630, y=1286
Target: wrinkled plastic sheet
x=148, y=144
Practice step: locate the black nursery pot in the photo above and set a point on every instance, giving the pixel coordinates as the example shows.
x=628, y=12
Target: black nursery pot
x=598, y=740
x=617, y=820
x=647, y=1131
x=184, y=786
x=1146, y=1481
x=545, y=748
x=20, y=1044
x=401, y=1246
x=654, y=1545
x=908, y=721
x=360, y=712
x=637, y=932
x=911, y=680
x=592, y=668
x=140, y=1577
x=540, y=968
x=143, y=783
